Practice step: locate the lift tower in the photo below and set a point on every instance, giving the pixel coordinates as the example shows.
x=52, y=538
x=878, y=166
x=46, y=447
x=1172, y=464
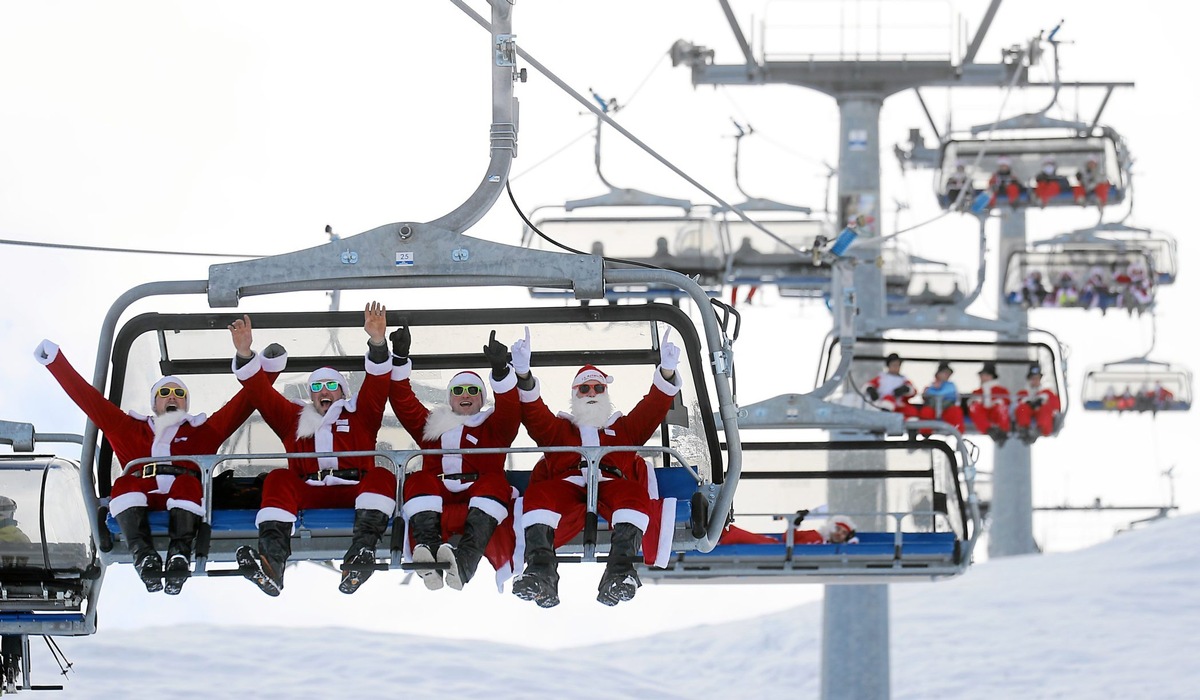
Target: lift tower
x=854, y=654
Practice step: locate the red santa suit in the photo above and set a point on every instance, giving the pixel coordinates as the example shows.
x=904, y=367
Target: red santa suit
x=1037, y=404
x=988, y=406
x=134, y=436
x=886, y=384
x=350, y=424
x=484, y=485
x=557, y=489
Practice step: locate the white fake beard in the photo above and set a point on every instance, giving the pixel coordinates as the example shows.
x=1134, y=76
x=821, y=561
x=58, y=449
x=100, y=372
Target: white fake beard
x=310, y=420
x=591, y=415
x=166, y=420
x=440, y=420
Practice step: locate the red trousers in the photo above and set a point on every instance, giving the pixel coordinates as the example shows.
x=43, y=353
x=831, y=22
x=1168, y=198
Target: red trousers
x=985, y=418
x=1044, y=416
x=286, y=491
x=570, y=500
x=950, y=414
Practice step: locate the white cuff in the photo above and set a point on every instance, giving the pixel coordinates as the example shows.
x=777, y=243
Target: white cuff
x=507, y=384
x=541, y=517
x=401, y=372
x=274, y=364
x=249, y=369
x=189, y=506
x=274, y=515
x=670, y=388
x=635, y=518
x=421, y=504
x=375, y=501
x=493, y=508
x=122, y=503
x=47, y=348
x=532, y=394
x=378, y=368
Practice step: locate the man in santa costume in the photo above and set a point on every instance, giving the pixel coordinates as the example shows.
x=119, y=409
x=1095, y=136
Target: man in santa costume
x=464, y=494
x=172, y=486
x=988, y=405
x=891, y=390
x=1036, y=405
x=554, y=505
x=332, y=421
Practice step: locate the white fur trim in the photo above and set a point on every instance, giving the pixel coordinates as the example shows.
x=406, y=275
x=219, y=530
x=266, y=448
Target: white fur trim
x=122, y=503
x=47, y=348
x=274, y=364
x=247, y=370
x=666, y=534
x=518, y=526
x=189, y=506
x=628, y=515
x=502, y=385
x=670, y=388
x=375, y=501
x=531, y=395
x=492, y=508
x=421, y=504
x=401, y=372
x=541, y=517
x=277, y=515
x=378, y=368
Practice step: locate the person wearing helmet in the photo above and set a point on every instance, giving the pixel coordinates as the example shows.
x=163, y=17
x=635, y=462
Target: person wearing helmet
x=458, y=494
x=333, y=420
x=169, y=431
x=1004, y=182
x=13, y=541
x=554, y=504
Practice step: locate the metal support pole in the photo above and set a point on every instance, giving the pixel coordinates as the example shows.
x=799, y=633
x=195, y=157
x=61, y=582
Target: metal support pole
x=1011, y=530
x=854, y=640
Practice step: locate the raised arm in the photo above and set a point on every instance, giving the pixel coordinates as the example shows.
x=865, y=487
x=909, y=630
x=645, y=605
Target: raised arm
x=373, y=395
x=252, y=371
x=100, y=410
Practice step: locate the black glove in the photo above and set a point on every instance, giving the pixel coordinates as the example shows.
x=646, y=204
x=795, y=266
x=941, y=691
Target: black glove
x=799, y=517
x=872, y=393
x=497, y=356
x=273, y=350
x=401, y=342
x=902, y=390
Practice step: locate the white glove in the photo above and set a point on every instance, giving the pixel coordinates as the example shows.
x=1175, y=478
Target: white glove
x=668, y=353
x=521, y=353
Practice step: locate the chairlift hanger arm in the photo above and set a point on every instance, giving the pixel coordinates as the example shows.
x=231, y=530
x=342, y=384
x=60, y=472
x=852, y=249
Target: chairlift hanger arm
x=740, y=36
x=985, y=24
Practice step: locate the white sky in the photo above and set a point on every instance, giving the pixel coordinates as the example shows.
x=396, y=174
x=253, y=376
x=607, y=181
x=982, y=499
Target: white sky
x=234, y=127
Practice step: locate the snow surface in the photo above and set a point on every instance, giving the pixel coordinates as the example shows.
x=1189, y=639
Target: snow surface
x=1112, y=621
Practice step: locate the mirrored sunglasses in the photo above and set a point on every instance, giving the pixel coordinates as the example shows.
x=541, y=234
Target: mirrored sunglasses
x=331, y=385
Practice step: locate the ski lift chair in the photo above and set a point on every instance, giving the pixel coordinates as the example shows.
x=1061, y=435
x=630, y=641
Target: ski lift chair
x=623, y=339
x=966, y=357
x=756, y=259
x=1091, y=278
x=687, y=244
x=1137, y=385
x=933, y=284
x=1161, y=248
x=906, y=497
x=1027, y=149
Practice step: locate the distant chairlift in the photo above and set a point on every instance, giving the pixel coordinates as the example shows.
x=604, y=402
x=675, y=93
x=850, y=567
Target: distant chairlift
x=1137, y=385
x=50, y=572
x=966, y=357
x=1089, y=277
x=688, y=244
x=931, y=283
x=1119, y=237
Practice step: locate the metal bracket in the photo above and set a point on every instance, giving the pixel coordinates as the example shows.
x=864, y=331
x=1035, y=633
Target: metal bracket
x=19, y=435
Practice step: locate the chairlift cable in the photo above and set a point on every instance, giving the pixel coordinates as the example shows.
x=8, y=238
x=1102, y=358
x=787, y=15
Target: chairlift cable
x=653, y=69
x=539, y=67
x=543, y=161
x=105, y=249
x=548, y=239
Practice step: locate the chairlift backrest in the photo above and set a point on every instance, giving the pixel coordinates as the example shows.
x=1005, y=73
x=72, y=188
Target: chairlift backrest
x=1142, y=384
x=690, y=245
x=1100, y=270
x=621, y=339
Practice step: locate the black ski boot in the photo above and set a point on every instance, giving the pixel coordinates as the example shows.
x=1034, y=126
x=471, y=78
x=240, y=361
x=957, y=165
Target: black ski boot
x=620, y=580
x=264, y=567
x=476, y=535
x=429, y=549
x=182, y=526
x=135, y=528
x=359, y=563
x=539, y=582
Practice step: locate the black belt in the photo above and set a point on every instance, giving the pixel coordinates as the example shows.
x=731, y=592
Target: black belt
x=465, y=476
x=347, y=474
x=147, y=471
x=605, y=469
